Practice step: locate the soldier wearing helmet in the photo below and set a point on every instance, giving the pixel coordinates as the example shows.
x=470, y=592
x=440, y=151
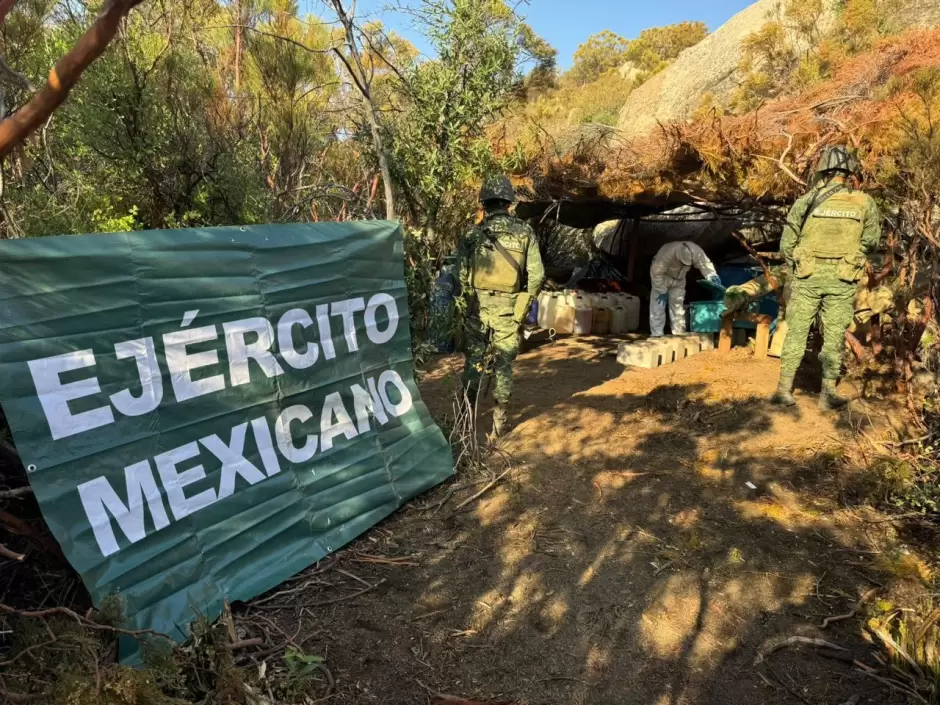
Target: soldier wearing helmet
x=829, y=235
x=501, y=272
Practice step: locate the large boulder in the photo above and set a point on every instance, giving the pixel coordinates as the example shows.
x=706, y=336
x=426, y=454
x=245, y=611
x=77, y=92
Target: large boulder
x=711, y=66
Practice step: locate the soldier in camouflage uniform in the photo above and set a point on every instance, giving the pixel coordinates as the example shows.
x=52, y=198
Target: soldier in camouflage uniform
x=501, y=272
x=830, y=233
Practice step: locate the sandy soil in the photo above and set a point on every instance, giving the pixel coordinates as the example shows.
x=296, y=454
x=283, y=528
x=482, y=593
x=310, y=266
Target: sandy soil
x=659, y=531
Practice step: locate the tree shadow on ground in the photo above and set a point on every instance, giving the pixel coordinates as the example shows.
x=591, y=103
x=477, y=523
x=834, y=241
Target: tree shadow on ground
x=658, y=533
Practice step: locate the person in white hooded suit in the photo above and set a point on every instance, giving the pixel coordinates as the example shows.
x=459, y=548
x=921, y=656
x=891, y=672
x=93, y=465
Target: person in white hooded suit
x=668, y=274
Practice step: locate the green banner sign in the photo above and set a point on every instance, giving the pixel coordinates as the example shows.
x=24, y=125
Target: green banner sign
x=205, y=413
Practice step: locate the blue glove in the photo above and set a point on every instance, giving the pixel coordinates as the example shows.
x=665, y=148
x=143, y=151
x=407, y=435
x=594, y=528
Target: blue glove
x=714, y=279
x=662, y=300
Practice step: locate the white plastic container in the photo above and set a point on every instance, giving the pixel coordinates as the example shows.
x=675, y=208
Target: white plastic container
x=619, y=321
x=632, y=306
x=548, y=309
x=583, y=317
x=564, y=314
x=600, y=325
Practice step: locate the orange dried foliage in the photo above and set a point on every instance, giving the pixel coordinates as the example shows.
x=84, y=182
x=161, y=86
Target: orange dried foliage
x=759, y=155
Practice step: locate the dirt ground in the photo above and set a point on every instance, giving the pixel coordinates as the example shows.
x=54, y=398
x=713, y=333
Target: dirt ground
x=659, y=531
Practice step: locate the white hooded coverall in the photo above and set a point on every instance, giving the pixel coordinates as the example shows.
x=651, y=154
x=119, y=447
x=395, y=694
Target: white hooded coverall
x=668, y=273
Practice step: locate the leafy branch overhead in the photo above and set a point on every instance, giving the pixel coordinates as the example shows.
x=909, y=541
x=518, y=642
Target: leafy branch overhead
x=64, y=75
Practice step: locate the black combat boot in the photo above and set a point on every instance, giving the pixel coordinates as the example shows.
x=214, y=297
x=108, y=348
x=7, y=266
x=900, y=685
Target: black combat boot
x=784, y=394
x=829, y=399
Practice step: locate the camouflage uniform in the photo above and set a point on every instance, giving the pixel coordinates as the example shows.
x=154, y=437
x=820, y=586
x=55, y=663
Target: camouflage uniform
x=499, y=293
x=868, y=302
x=828, y=255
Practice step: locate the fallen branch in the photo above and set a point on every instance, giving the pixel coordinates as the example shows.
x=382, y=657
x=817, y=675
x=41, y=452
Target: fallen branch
x=482, y=492
x=28, y=651
x=796, y=641
x=451, y=491
x=18, y=493
x=83, y=621
x=430, y=614
x=901, y=444
x=246, y=644
x=15, y=525
x=324, y=603
x=782, y=166
x=900, y=517
x=894, y=685
x=260, y=604
x=383, y=560
x=8, y=697
x=330, y=681
x=353, y=576
x=849, y=615
x=10, y=555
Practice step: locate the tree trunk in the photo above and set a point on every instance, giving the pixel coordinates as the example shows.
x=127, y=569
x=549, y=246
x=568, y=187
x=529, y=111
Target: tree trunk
x=238, y=47
x=430, y=227
x=64, y=76
x=363, y=83
x=383, y=161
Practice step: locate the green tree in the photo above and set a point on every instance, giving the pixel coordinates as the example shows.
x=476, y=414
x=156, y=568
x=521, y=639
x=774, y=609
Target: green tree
x=862, y=22
x=657, y=47
x=439, y=140
x=543, y=57
x=600, y=53
x=173, y=127
x=804, y=17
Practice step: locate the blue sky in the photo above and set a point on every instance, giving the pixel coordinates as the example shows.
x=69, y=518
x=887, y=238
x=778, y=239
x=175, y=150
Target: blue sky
x=567, y=23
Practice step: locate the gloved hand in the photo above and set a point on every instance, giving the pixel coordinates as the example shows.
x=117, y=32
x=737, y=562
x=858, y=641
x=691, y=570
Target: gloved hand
x=714, y=279
x=662, y=300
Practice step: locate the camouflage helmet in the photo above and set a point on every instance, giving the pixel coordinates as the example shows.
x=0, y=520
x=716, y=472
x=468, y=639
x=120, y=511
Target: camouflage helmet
x=837, y=159
x=497, y=188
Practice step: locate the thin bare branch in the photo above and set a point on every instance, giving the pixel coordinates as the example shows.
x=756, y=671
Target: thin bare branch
x=83, y=621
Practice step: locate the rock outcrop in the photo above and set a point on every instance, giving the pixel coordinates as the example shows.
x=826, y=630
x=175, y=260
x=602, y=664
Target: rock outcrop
x=710, y=67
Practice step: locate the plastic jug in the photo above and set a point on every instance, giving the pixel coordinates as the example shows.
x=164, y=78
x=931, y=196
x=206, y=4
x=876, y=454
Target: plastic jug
x=632, y=307
x=564, y=315
x=601, y=323
x=548, y=309
x=618, y=321
x=583, y=317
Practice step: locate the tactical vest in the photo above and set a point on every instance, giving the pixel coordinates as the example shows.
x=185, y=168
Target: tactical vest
x=492, y=271
x=834, y=230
